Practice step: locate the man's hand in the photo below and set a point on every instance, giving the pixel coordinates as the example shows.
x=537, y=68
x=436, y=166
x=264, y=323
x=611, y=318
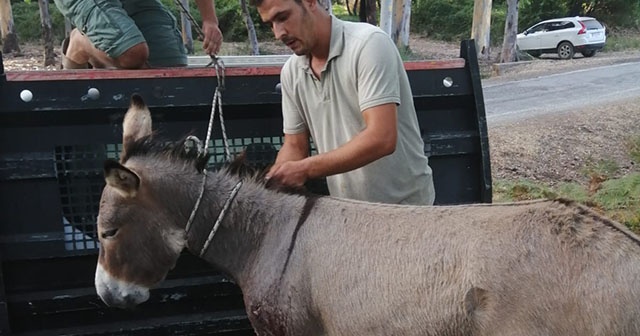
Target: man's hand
x=289, y=173
x=212, y=37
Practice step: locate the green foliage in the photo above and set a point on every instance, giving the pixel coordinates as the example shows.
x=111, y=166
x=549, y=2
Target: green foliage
x=26, y=17
x=622, y=193
x=602, y=168
x=508, y=191
x=622, y=40
x=613, y=13
x=443, y=19
x=230, y=19
x=619, y=199
x=620, y=13
x=498, y=18
x=532, y=11
x=634, y=148
x=451, y=19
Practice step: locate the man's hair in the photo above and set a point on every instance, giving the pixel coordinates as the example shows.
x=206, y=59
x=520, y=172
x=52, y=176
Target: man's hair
x=257, y=3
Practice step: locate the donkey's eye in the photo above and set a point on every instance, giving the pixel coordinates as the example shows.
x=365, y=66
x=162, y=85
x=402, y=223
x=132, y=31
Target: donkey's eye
x=109, y=233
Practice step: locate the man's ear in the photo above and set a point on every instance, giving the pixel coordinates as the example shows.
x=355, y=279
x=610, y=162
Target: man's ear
x=121, y=178
x=309, y=3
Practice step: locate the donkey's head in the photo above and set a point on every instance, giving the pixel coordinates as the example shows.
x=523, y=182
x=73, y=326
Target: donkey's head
x=139, y=241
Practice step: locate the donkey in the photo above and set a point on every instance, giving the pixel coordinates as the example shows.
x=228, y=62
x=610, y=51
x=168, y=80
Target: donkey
x=311, y=265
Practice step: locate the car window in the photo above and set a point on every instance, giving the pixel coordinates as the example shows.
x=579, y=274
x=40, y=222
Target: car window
x=537, y=28
x=591, y=24
x=559, y=25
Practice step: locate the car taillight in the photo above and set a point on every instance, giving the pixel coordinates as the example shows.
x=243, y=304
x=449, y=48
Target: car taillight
x=583, y=29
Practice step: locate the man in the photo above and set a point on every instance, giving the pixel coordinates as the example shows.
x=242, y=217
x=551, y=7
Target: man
x=130, y=34
x=347, y=88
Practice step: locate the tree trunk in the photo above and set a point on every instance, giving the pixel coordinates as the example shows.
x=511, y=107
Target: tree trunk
x=368, y=12
x=509, y=52
x=395, y=16
x=187, y=35
x=386, y=15
x=251, y=29
x=404, y=25
x=481, y=28
x=7, y=29
x=47, y=33
x=68, y=27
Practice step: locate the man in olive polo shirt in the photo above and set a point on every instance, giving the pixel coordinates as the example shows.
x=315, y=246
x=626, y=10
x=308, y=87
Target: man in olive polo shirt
x=347, y=88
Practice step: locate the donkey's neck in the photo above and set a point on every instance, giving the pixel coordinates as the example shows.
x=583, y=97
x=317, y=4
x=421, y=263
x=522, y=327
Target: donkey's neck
x=256, y=233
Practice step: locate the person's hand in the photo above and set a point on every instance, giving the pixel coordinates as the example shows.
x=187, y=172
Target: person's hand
x=290, y=174
x=212, y=37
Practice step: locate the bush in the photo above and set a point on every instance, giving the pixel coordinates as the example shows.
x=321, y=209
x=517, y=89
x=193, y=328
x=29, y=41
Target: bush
x=531, y=12
x=26, y=17
x=230, y=19
x=442, y=19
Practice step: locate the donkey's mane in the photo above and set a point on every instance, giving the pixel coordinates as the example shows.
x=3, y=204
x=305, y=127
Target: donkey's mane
x=149, y=146
x=181, y=150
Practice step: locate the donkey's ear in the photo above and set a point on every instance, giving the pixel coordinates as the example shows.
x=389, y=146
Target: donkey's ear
x=137, y=122
x=121, y=178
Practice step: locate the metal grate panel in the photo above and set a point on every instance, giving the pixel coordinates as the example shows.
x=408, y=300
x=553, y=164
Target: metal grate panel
x=80, y=179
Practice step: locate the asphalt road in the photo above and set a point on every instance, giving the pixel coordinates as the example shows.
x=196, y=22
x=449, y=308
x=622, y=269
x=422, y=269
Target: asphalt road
x=560, y=92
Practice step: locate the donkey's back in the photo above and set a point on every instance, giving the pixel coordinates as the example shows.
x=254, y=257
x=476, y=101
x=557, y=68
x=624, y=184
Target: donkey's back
x=534, y=268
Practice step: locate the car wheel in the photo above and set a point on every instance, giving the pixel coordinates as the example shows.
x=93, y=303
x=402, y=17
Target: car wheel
x=589, y=53
x=534, y=53
x=565, y=50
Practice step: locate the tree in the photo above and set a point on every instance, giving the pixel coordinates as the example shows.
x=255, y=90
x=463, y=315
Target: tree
x=368, y=11
x=395, y=16
x=8, y=29
x=47, y=33
x=185, y=23
x=251, y=29
x=481, y=27
x=509, y=51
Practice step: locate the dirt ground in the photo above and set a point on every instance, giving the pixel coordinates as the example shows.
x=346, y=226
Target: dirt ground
x=553, y=148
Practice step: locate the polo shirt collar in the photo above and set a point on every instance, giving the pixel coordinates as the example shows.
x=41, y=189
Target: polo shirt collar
x=336, y=44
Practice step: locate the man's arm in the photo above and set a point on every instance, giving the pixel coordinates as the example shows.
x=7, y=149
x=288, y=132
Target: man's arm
x=212, y=34
x=377, y=140
x=294, y=148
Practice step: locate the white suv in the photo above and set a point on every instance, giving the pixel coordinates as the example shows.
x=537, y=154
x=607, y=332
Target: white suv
x=564, y=36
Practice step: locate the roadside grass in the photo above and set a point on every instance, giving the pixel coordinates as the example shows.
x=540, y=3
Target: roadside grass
x=617, y=198
x=634, y=148
x=620, y=40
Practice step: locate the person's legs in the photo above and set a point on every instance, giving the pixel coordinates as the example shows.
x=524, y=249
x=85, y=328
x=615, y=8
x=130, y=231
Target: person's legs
x=160, y=29
x=105, y=36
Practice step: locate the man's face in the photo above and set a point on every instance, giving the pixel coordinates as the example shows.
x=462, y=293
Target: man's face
x=290, y=22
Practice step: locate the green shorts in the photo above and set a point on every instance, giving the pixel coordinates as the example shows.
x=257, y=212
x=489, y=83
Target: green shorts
x=114, y=26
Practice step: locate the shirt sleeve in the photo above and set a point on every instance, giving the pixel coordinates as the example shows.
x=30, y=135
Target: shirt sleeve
x=292, y=117
x=378, y=69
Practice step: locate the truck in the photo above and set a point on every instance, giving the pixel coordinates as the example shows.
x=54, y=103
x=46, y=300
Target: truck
x=58, y=127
